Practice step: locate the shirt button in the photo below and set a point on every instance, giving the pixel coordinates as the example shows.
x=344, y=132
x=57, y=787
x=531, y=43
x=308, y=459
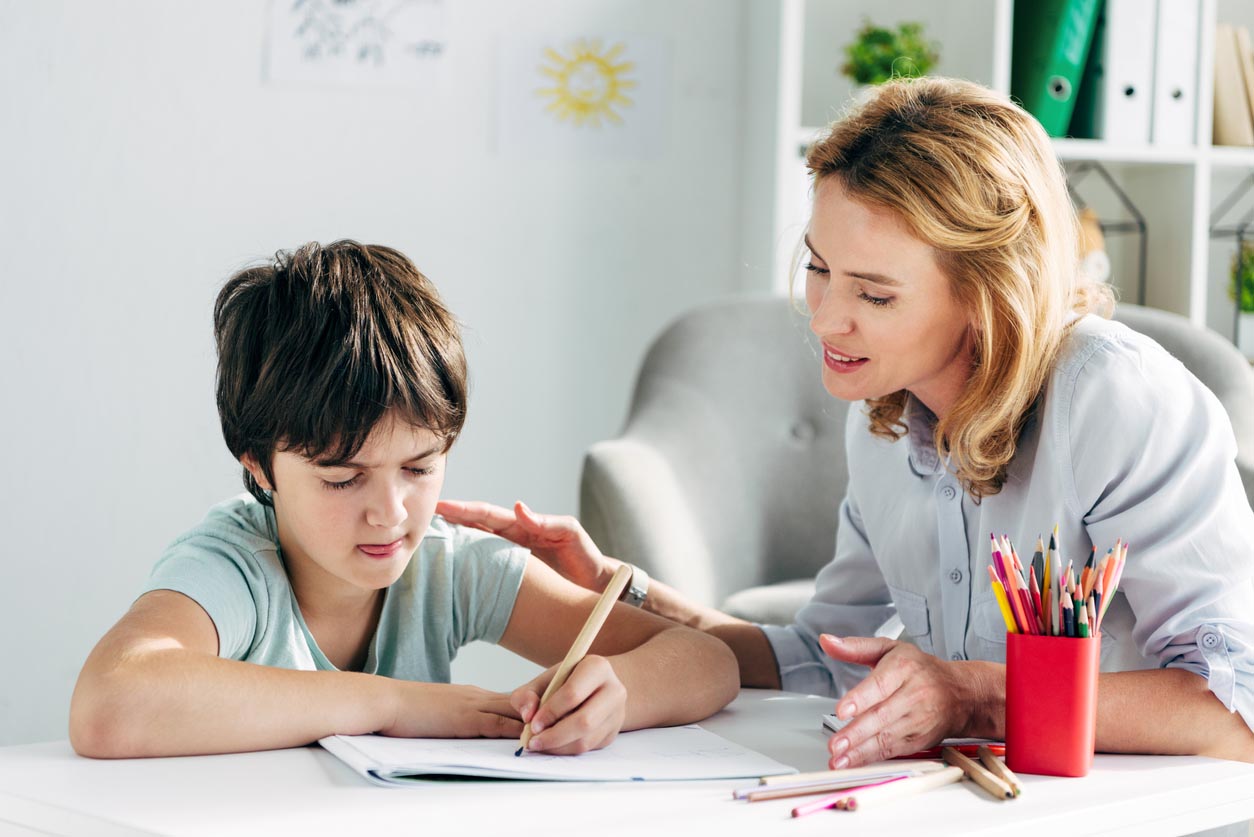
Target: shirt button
x=955, y=576
x=948, y=492
x=955, y=656
x=1210, y=638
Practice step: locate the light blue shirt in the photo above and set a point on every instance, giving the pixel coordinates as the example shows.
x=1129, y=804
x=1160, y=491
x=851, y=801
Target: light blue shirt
x=460, y=586
x=1124, y=443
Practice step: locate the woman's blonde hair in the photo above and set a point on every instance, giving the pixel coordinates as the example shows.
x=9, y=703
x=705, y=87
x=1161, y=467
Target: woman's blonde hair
x=974, y=176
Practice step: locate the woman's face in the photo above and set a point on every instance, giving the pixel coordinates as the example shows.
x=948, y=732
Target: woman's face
x=881, y=306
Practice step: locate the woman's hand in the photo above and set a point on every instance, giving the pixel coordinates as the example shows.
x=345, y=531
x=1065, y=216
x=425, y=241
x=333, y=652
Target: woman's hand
x=442, y=710
x=585, y=713
x=909, y=702
x=557, y=540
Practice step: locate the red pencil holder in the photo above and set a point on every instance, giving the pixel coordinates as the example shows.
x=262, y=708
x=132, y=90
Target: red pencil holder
x=1051, y=703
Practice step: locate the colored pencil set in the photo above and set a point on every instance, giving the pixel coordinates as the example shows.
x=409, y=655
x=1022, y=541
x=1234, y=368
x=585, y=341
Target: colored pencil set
x=859, y=788
x=1048, y=599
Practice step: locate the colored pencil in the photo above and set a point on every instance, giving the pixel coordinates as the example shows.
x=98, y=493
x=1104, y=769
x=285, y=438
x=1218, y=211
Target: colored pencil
x=979, y=774
x=834, y=800
x=872, y=797
x=999, y=767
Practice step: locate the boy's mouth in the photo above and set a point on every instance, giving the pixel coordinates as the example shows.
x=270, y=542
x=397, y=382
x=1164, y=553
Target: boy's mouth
x=382, y=550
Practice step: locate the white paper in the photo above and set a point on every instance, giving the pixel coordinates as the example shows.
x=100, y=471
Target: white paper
x=669, y=753
x=581, y=96
x=375, y=42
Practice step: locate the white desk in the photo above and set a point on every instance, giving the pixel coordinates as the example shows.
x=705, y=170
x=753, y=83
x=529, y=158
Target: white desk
x=307, y=791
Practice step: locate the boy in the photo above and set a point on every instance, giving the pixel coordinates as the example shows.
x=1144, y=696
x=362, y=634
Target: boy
x=330, y=599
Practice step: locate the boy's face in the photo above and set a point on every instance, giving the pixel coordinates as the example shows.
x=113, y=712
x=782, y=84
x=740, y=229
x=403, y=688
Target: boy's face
x=354, y=526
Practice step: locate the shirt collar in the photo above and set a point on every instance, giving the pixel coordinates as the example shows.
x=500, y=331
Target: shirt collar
x=920, y=431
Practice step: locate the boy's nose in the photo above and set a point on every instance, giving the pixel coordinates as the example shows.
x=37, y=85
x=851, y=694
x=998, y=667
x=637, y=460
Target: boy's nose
x=387, y=508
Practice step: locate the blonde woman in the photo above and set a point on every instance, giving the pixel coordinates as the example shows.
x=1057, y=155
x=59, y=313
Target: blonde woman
x=995, y=397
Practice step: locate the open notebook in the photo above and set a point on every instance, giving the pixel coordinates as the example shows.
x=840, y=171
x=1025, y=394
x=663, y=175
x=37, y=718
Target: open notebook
x=668, y=753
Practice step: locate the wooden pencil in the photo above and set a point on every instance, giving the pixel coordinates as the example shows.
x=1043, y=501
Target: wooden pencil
x=600, y=612
x=898, y=766
x=906, y=787
x=997, y=766
x=979, y=774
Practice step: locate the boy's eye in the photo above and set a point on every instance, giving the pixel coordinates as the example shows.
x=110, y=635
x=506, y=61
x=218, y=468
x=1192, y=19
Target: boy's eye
x=339, y=486
x=420, y=472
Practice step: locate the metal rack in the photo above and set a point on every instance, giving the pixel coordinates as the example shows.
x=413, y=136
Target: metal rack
x=1239, y=230
x=1137, y=225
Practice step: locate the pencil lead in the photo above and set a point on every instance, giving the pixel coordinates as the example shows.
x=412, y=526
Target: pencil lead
x=518, y=752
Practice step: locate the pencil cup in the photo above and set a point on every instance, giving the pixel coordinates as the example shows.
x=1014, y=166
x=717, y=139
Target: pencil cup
x=1051, y=703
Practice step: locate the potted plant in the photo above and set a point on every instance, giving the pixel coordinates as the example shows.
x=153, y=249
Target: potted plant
x=1241, y=291
x=878, y=54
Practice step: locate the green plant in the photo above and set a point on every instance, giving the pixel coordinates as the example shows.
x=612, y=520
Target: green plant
x=878, y=54
x=1242, y=275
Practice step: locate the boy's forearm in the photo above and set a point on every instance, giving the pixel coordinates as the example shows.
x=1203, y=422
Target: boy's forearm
x=180, y=703
x=678, y=676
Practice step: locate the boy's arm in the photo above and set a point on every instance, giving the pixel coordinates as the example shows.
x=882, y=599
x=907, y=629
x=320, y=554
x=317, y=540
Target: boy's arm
x=672, y=674
x=154, y=686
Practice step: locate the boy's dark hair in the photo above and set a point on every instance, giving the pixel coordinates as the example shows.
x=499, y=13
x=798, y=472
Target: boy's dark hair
x=316, y=346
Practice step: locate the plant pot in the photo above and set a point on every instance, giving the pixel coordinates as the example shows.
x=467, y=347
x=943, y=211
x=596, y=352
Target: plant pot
x=1245, y=334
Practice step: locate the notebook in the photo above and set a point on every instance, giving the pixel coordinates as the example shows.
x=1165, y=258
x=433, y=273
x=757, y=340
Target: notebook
x=664, y=754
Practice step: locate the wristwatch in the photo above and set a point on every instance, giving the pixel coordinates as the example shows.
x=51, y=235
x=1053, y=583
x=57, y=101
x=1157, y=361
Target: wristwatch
x=637, y=589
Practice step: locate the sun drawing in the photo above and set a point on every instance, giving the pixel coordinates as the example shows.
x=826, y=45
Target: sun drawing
x=588, y=84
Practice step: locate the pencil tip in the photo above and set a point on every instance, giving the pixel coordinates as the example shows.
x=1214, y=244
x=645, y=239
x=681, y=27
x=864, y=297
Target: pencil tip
x=518, y=752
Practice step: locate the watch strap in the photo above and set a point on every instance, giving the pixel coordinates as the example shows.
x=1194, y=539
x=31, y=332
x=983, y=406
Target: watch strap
x=637, y=588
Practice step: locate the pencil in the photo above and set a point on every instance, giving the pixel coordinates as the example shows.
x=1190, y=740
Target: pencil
x=996, y=765
x=902, y=787
x=899, y=766
x=582, y=642
x=761, y=793
x=834, y=800
x=979, y=774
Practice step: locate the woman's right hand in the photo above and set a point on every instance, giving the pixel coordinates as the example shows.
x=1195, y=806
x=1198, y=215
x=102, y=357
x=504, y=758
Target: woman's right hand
x=443, y=710
x=558, y=540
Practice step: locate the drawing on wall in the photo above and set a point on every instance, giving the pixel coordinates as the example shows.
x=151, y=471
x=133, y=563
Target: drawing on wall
x=387, y=42
x=587, y=82
x=581, y=95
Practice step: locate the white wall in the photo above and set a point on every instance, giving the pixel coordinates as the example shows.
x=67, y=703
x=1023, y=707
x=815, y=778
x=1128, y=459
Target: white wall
x=142, y=160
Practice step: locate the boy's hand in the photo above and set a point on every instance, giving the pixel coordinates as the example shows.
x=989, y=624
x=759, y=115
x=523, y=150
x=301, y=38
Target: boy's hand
x=442, y=710
x=557, y=540
x=586, y=713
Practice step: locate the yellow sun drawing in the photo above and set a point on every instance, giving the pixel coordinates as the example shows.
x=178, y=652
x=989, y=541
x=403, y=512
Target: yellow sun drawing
x=589, y=84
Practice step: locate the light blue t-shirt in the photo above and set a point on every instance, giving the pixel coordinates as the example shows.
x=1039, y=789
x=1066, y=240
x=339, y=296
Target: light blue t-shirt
x=1126, y=443
x=460, y=586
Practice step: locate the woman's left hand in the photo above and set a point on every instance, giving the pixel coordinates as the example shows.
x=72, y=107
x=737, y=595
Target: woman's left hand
x=909, y=702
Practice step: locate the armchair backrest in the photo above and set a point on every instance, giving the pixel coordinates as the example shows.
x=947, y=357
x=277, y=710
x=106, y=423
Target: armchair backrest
x=731, y=467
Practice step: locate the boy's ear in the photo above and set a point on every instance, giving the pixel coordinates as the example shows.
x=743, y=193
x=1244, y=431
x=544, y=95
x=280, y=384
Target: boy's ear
x=254, y=468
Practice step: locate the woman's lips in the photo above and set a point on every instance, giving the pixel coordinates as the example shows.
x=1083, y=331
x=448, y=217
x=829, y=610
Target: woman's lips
x=841, y=362
x=382, y=550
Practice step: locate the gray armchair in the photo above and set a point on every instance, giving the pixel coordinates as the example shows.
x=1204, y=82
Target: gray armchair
x=726, y=480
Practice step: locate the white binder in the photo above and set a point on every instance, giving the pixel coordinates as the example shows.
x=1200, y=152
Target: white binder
x=1174, y=121
x=1124, y=99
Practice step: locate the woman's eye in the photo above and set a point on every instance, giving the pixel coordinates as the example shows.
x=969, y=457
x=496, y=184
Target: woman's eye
x=340, y=486
x=878, y=301
x=815, y=269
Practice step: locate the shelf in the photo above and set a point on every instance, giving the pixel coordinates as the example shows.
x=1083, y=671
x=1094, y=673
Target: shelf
x=1103, y=152
x=1231, y=157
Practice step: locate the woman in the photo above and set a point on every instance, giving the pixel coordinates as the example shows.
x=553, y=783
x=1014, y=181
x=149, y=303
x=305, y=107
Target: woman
x=942, y=282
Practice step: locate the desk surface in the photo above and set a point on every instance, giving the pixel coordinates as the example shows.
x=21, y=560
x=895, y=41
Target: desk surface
x=306, y=790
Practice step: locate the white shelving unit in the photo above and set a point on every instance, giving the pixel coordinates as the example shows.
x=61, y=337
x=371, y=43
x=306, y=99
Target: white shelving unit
x=1176, y=189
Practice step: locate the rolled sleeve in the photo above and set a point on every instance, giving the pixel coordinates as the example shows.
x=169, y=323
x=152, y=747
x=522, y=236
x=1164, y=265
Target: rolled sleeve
x=1153, y=462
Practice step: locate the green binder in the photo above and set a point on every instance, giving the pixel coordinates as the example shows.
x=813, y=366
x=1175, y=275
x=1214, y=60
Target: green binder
x=1051, y=42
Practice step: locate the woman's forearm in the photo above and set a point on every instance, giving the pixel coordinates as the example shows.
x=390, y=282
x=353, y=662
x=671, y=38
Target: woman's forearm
x=1163, y=711
x=754, y=657
x=1167, y=711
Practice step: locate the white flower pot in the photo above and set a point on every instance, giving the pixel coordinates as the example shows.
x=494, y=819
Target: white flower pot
x=1245, y=334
